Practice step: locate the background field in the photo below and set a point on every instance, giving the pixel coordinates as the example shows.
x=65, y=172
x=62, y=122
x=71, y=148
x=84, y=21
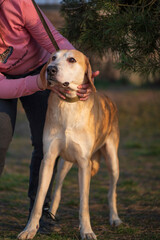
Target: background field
x=138, y=188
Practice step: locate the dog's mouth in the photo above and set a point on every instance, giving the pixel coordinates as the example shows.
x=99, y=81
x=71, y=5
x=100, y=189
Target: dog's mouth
x=52, y=76
x=51, y=79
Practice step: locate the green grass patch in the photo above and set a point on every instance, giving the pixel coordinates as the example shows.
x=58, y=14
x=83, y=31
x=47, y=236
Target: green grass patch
x=123, y=230
x=148, y=152
x=11, y=182
x=128, y=184
x=133, y=145
x=72, y=203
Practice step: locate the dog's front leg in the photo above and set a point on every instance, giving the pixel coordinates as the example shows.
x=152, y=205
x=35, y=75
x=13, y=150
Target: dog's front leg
x=46, y=171
x=84, y=184
x=63, y=169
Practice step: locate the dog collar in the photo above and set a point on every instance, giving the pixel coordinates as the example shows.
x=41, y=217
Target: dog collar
x=71, y=100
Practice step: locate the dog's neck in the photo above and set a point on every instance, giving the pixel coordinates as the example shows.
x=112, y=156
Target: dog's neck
x=71, y=99
x=73, y=87
x=72, y=96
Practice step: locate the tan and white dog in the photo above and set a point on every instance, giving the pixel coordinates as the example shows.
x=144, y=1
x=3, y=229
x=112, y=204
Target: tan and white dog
x=80, y=132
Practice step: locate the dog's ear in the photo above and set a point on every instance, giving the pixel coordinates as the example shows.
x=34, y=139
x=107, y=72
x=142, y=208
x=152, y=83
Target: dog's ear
x=43, y=76
x=89, y=74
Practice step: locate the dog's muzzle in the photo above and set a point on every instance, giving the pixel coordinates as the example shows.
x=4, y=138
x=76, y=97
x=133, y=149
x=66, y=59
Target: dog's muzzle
x=51, y=73
x=52, y=70
x=66, y=84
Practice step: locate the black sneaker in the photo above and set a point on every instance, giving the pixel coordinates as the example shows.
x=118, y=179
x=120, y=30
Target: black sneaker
x=48, y=223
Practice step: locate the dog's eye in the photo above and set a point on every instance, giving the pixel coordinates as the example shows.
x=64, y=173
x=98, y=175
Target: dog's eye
x=71, y=60
x=53, y=58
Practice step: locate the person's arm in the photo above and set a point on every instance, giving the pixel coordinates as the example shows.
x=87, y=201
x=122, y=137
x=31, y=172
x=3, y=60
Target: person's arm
x=34, y=26
x=15, y=88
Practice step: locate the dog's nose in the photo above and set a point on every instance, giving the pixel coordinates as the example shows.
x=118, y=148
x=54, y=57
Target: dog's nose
x=52, y=70
x=66, y=84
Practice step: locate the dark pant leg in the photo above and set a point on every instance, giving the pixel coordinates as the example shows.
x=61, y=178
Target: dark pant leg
x=8, y=111
x=35, y=107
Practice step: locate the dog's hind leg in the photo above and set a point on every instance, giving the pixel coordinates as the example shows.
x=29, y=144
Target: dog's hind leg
x=63, y=169
x=109, y=150
x=46, y=171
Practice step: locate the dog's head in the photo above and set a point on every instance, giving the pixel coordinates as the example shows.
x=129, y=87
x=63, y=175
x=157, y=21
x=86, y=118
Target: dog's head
x=69, y=68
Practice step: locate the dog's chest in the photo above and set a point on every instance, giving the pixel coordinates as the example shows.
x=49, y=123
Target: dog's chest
x=69, y=126
x=69, y=116
x=73, y=145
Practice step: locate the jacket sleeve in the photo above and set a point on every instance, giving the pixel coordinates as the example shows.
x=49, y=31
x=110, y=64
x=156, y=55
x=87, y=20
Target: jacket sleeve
x=15, y=88
x=34, y=26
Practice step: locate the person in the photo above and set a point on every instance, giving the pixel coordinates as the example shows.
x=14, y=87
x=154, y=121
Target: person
x=24, y=49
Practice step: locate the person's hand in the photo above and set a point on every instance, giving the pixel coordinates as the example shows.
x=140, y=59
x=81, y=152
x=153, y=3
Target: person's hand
x=60, y=91
x=84, y=90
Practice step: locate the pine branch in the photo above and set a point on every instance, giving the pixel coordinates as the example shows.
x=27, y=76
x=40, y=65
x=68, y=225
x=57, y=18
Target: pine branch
x=103, y=25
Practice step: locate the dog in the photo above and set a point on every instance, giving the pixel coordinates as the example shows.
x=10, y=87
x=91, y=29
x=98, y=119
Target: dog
x=80, y=132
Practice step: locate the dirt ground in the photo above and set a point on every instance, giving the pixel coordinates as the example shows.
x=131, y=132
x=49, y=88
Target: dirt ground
x=138, y=191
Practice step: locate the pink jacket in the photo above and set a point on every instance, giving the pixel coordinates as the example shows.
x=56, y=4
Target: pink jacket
x=26, y=46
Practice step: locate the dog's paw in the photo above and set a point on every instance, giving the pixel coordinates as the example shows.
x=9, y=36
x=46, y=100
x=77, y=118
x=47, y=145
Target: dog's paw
x=115, y=222
x=86, y=236
x=27, y=234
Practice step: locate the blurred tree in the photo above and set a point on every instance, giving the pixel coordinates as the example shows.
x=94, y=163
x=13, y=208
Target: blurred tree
x=130, y=29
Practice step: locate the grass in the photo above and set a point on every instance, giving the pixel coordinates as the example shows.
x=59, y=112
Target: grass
x=138, y=192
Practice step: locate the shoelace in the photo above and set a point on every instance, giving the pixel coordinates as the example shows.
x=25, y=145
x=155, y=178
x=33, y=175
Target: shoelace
x=50, y=215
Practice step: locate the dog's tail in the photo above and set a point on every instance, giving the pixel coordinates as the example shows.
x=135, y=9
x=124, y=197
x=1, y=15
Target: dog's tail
x=95, y=163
